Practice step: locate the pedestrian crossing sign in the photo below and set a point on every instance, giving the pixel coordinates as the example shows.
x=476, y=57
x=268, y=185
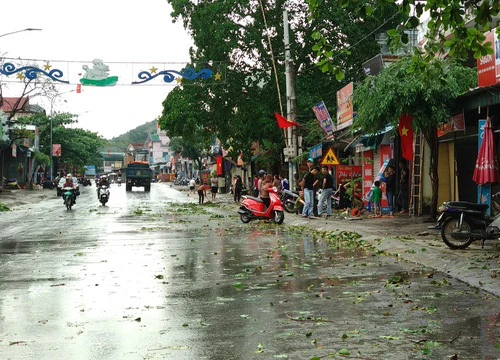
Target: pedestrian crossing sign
x=330, y=158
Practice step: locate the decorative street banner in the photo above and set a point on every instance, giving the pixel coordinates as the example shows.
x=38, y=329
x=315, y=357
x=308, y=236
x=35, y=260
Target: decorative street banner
x=100, y=73
x=324, y=119
x=56, y=150
x=345, y=112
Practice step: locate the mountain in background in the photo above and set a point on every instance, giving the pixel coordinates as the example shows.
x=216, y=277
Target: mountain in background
x=137, y=135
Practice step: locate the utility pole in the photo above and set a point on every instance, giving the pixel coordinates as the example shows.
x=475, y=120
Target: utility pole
x=291, y=150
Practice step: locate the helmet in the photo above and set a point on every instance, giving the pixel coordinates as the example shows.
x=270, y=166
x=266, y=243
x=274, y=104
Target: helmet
x=262, y=172
x=104, y=177
x=310, y=160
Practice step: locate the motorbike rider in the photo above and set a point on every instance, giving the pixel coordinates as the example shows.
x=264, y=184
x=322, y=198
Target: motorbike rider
x=103, y=181
x=69, y=184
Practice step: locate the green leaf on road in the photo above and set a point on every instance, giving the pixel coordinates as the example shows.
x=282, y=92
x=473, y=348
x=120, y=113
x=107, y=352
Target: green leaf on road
x=344, y=352
x=238, y=286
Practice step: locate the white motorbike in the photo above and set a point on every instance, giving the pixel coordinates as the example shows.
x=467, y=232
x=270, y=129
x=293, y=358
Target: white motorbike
x=103, y=194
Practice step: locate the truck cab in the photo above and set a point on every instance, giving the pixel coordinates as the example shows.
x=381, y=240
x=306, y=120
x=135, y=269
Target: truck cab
x=138, y=173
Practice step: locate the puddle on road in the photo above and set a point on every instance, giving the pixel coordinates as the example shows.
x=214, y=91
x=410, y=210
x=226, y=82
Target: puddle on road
x=209, y=290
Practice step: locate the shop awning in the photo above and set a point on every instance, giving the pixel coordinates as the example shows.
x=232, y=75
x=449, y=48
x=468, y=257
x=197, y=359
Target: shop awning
x=374, y=140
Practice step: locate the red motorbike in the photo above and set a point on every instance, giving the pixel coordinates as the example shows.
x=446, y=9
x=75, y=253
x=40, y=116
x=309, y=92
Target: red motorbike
x=253, y=208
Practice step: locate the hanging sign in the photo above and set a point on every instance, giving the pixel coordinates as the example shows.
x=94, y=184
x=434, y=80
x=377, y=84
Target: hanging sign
x=330, y=158
x=56, y=150
x=345, y=114
x=324, y=119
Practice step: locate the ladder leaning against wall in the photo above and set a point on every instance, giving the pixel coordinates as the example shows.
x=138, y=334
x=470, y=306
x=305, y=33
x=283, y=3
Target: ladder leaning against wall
x=416, y=183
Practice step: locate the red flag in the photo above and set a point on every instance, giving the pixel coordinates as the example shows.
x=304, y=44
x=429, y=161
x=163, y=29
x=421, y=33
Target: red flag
x=406, y=135
x=219, y=165
x=284, y=123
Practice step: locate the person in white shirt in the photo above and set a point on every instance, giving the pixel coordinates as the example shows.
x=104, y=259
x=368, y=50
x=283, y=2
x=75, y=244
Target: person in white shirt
x=192, y=185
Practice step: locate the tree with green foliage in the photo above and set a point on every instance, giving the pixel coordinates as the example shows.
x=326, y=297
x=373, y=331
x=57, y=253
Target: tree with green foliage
x=230, y=37
x=455, y=28
x=382, y=99
x=79, y=147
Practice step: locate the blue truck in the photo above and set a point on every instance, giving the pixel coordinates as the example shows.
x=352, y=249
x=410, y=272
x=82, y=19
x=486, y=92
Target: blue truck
x=138, y=173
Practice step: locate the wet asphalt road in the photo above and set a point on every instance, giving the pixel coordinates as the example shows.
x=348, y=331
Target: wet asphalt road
x=150, y=276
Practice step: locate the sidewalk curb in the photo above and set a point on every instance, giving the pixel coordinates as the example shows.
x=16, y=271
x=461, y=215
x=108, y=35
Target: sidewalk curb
x=408, y=239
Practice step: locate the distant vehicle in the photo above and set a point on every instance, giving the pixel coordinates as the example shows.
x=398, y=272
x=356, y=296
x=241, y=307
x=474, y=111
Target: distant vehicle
x=138, y=173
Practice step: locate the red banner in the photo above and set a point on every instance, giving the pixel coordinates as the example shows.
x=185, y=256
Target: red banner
x=406, y=135
x=219, y=165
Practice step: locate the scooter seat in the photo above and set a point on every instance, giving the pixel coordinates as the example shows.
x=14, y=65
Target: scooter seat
x=469, y=205
x=255, y=199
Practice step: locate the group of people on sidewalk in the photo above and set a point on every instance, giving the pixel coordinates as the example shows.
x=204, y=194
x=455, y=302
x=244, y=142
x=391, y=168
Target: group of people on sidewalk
x=310, y=183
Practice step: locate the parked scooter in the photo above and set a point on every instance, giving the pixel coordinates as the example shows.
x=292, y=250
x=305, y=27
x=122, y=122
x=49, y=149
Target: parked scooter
x=253, y=208
x=288, y=199
x=103, y=194
x=466, y=222
x=47, y=184
x=68, y=197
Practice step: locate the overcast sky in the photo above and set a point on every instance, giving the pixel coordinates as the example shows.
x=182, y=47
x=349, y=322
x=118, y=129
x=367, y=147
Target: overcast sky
x=129, y=36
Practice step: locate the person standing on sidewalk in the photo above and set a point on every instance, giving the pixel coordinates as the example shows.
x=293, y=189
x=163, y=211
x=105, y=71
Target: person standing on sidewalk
x=214, y=186
x=390, y=187
x=403, y=187
x=326, y=192
x=376, y=198
x=237, y=185
x=307, y=185
x=192, y=184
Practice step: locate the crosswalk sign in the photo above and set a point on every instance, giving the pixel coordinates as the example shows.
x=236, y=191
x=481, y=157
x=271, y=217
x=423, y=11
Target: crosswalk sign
x=330, y=158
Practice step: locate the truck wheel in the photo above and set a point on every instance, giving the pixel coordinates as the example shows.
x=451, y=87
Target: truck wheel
x=128, y=187
x=147, y=188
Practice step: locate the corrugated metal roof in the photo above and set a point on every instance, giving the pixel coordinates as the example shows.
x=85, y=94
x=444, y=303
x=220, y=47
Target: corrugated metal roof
x=478, y=97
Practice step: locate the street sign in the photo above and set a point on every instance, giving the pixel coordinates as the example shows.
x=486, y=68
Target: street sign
x=330, y=158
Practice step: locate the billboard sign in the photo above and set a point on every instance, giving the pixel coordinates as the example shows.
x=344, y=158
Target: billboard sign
x=488, y=67
x=90, y=170
x=345, y=112
x=324, y=119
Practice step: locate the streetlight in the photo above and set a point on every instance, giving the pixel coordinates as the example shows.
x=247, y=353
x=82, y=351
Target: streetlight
x=51, y=117
x=18, y=31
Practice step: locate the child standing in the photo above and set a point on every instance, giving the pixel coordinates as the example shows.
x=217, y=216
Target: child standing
x=376, y=199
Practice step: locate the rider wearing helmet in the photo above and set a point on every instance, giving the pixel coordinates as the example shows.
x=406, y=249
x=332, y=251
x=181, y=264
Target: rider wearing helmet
x=103, y=181
x=69, y=184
